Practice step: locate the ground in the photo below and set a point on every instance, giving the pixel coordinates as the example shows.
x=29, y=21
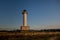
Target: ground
x=29, y=35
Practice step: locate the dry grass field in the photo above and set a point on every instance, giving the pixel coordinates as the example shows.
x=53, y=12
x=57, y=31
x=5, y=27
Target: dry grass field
x=29, y=35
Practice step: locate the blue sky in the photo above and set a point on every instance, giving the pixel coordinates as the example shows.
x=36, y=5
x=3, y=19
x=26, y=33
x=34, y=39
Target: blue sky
x=42, y=14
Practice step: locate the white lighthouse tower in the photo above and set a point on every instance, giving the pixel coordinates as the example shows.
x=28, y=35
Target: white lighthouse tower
x=25, y=26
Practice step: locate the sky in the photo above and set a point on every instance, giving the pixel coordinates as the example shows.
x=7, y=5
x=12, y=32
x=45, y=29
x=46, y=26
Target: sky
x=42, y=14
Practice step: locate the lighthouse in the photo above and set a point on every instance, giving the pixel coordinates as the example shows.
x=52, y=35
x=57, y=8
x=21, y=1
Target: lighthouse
x=25, y=26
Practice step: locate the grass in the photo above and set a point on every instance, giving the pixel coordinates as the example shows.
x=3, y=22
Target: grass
x=29, y=35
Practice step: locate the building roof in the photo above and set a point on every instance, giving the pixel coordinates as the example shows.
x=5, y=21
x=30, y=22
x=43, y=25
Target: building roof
x=24, y=11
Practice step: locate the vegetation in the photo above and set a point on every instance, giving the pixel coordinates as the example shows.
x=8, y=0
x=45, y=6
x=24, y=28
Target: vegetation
x=29, y=35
